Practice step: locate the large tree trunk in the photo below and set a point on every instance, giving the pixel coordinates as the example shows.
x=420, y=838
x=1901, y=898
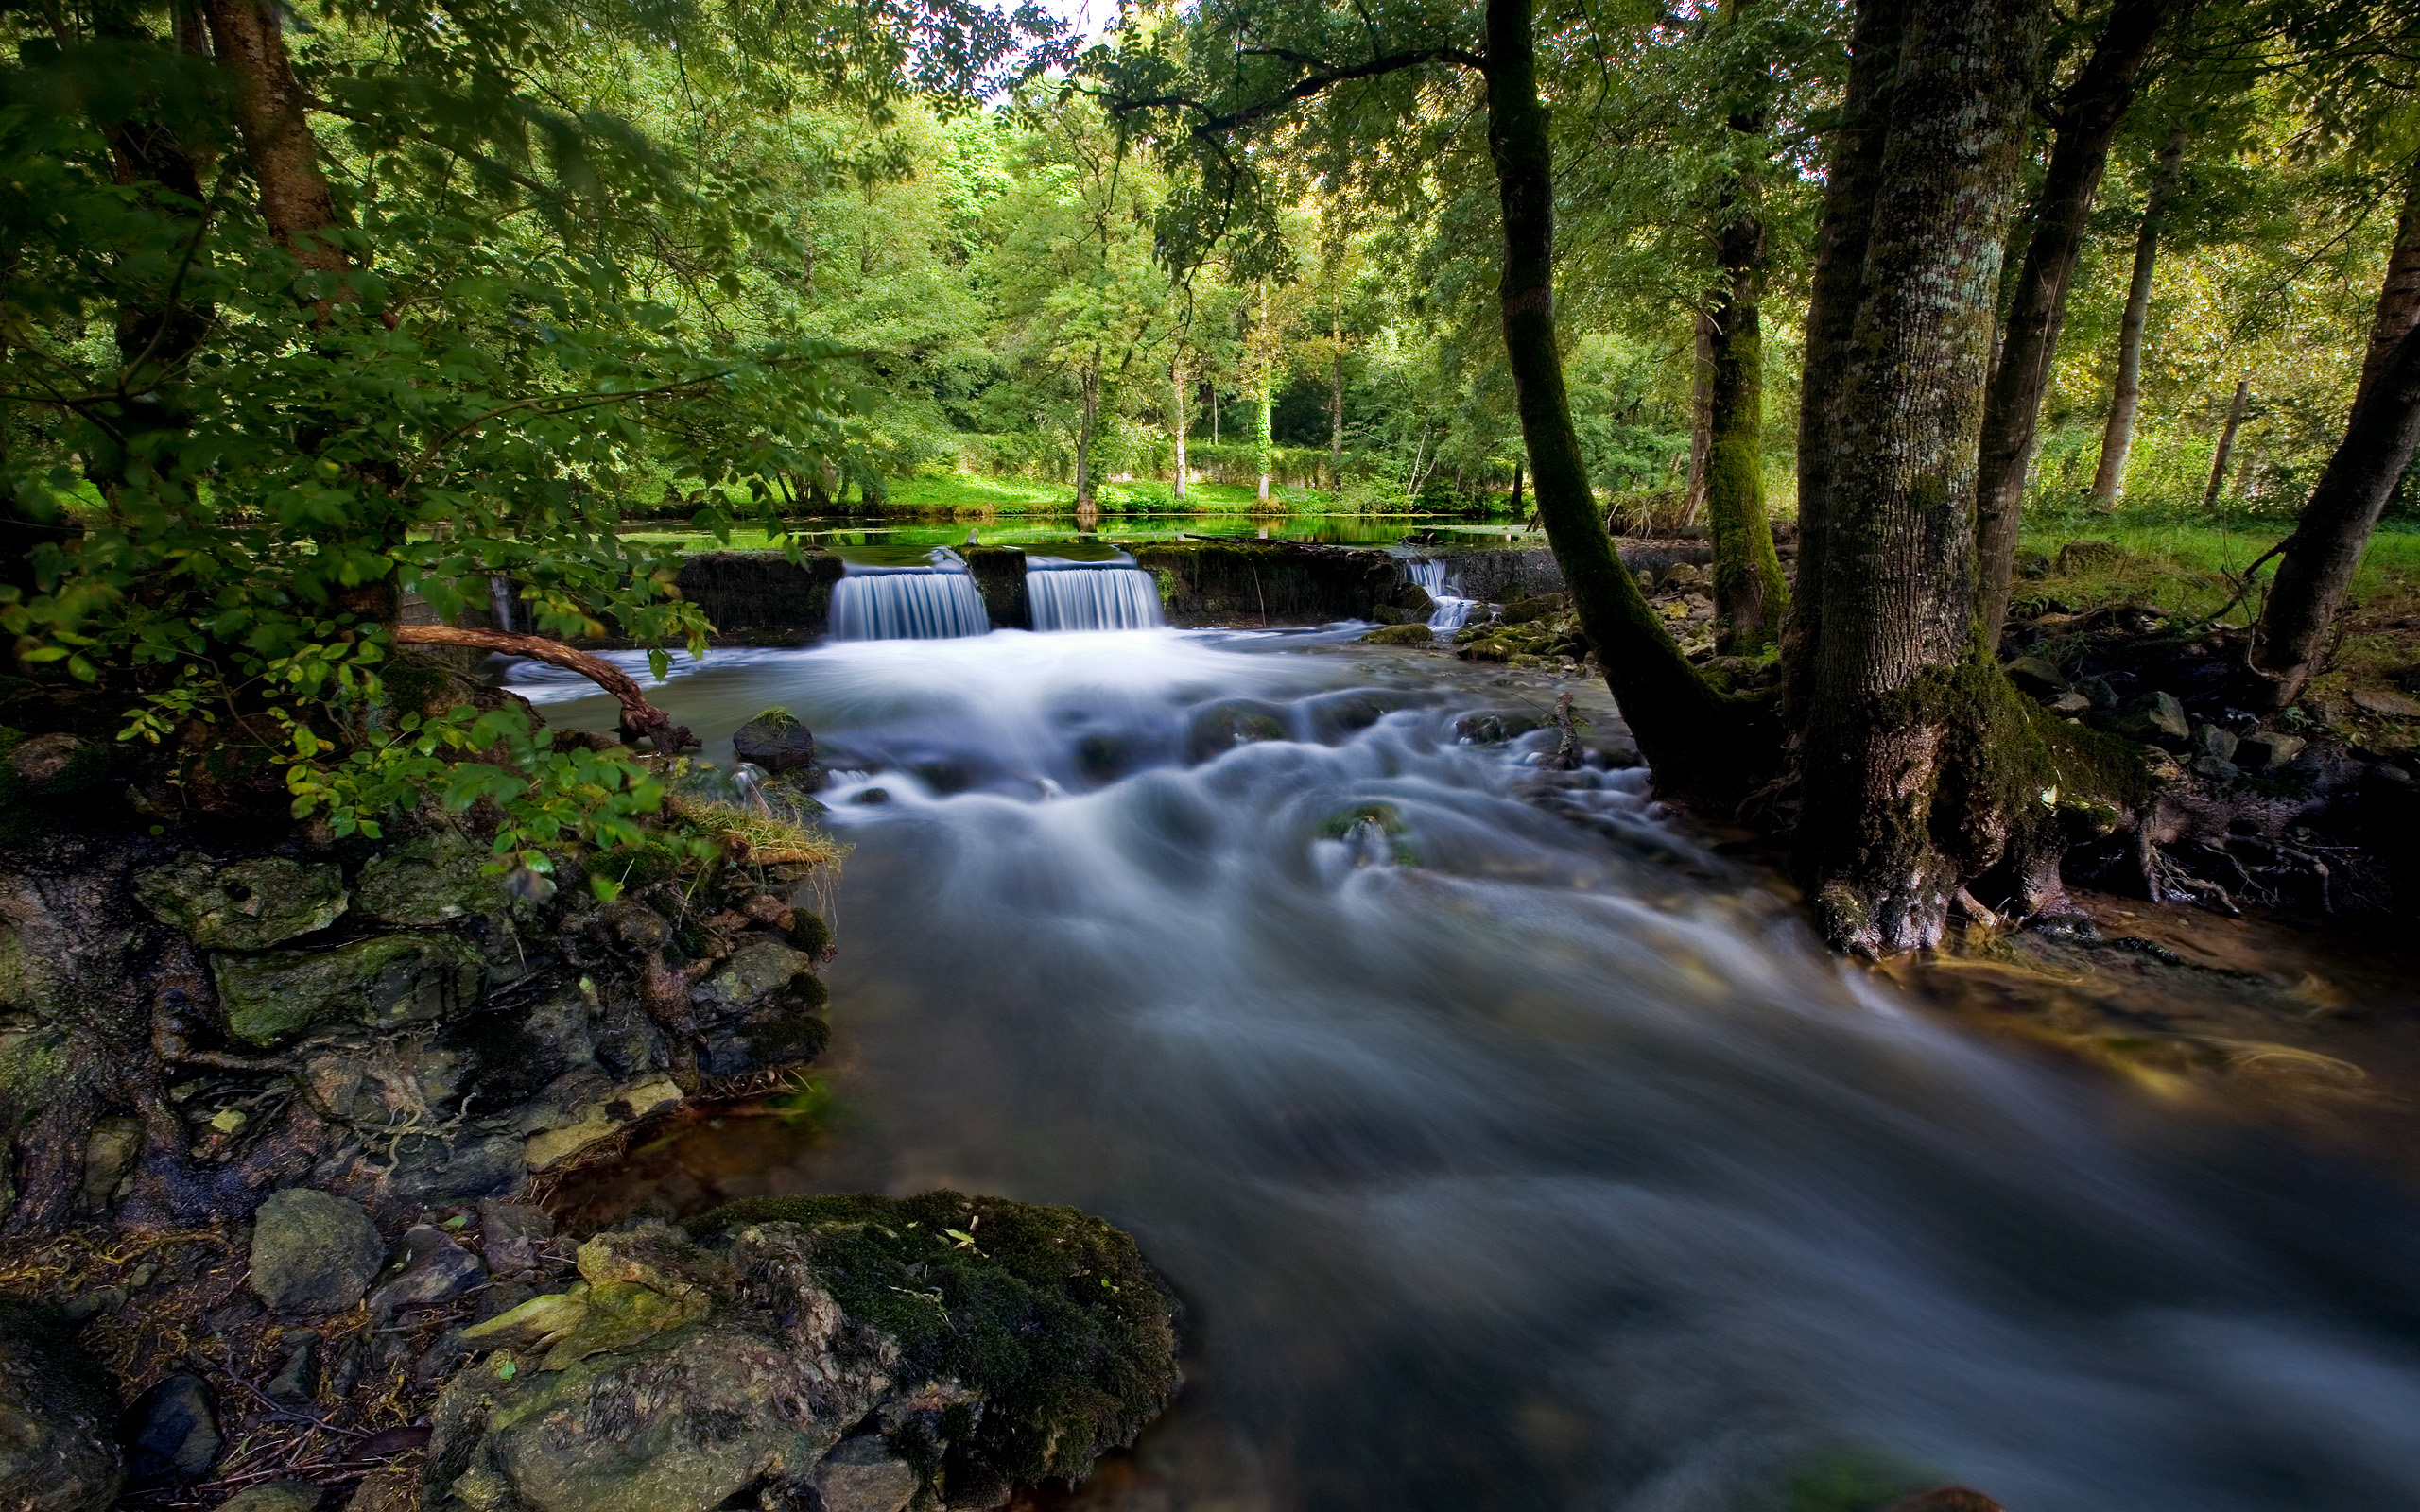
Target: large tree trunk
x=1180, y=421
x=2117, y=436
x=269, y=116
x=2399, y=300
x=2326, y=545
x=1691, y=736
x=1855, y=177
x=1921, y=767
x=1091, y=383
x=2090, y=111
x=1750, y=595
x=2226, y=444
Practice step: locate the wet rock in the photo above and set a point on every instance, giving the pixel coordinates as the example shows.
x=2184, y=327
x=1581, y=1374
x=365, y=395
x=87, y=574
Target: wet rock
x=431, y=1170
x=377, y=983
x=2154, y=717
x=42, y=760
x=605, y=1118
x=2217, y=744
x=2386, y=705
x=57, y=1453
x=776, y=740
x=1547, y=606
x=174, y=1429
x=759, y=1008
x=1682, y=575
x=686, y=1368
x=865, y=1474
x=2036, y=676
x=1496, y=725
x=274, y=1496
x=2099, y=691
x=246, y=905
x=1232, y=722
x=2265, y=751
x=312, y=1251
x=391, y=1488
x=1415, y=632
x=298, y=1374
x=110, y=1153
x=427, y=1268
x=2069, y=705
x=1407, y=604
x=426, y=881
x=511, y=1235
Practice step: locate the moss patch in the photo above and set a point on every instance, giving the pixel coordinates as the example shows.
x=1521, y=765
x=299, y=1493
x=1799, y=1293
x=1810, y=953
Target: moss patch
x=1051, y=1312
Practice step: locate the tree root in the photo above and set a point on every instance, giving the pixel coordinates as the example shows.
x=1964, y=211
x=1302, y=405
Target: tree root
x=640, y=718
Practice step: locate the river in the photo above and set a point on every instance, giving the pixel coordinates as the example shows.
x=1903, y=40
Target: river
x=1508, y=1150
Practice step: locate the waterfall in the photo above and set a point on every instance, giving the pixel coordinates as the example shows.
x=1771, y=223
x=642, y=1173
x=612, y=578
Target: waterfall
x=500, y=601
x=1091, y=598
x=1452, y=610
x=935, y=604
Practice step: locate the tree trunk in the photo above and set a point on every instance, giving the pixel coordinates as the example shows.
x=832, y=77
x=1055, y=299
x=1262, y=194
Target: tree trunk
x=1750, y=595
x=1921, y=767
x=1692, y=736
x=2090, y=111
x=1517, y=481
x=2226, y=444
x=278, y=144
x=1336, y=415
x=1851, y=185
x=1700, y=414
x=2109, y=480
x=2326, y=545
x=1084, y=433
x=2399, y=301
x=1180, y=421
x=1263, y=449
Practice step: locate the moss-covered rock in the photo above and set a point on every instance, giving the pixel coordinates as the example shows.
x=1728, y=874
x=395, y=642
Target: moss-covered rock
x=428, y=880
x=312, y=1251
x=243, y=905
x=776, y=740
x=1415, y=633
x=376, y=983
x=760, y=1008
x=58, y=1448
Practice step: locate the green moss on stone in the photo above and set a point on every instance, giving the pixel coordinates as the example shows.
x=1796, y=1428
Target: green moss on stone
x=379, y=984
x=1051, y=1312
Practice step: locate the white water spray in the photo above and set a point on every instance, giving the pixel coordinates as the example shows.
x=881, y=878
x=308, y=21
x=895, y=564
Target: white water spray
x=1075, y=597
x=1452, y=610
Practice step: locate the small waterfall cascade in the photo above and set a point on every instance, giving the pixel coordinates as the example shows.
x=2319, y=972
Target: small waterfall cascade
x=500, y=601
x=935, y=603
x=1452, y=608
x=1070, y=595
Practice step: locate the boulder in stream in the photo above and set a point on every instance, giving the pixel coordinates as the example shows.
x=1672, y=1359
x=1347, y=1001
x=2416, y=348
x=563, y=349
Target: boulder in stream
x=776, y=740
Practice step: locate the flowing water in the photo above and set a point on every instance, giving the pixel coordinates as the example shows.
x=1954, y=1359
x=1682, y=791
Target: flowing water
x=914, y=604
x=1068, y=595
x=1510, y=1151
x=1444, y=588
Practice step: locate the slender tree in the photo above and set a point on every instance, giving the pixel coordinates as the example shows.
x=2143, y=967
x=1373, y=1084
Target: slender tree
x=2126, y=394
x=2236, y=408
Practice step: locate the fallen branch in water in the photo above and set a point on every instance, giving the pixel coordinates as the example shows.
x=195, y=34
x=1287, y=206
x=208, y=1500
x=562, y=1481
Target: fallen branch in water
x=639, y=717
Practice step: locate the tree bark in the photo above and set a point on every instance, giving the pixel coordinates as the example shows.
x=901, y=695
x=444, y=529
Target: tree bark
x=1854, y=180
x=1692, y=736
x=1700, y=414
x=2399, y=301
x=2226, y=444
x=1263, y=448
x=1180, y=421
x=278, y=144
x=2118, y=438
x=639, y=717
x=2326, y=544
x=2090, y=111
x=1084, y=432
x=1912, y=760
x=1750, y=595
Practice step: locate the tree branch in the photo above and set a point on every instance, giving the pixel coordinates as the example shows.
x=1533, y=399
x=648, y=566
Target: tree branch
x=639, y=717
x=1324, y=76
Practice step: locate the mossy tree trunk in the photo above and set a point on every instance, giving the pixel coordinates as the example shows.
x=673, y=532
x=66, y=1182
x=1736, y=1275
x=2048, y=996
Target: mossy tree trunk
x=1336, y=413
x=1700, y=415
x=1091, y=388
x=1922, y=768
x=1264, y=451
x=1691, y=736
x=1180, y=421
x=1750, y=596
x=2398, y=305
x=2126, y=395
x=2090, y=111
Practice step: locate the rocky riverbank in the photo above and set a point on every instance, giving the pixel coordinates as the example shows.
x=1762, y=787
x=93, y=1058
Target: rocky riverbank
x=285, y=1114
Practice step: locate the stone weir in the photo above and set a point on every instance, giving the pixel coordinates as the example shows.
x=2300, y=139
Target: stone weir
x=764, y=598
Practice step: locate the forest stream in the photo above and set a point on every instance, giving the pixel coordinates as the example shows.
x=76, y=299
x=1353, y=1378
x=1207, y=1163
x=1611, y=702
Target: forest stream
x=1509, y=1149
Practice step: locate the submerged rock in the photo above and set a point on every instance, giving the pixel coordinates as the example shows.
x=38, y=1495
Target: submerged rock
x=984, y=1344
x=247, y=906
x=57, y=1450
x=312, y=1251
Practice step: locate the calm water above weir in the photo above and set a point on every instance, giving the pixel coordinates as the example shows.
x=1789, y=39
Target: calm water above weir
x=1514, y=1159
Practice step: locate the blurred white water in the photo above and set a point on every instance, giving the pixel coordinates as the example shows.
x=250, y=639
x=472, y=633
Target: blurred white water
x=1510, y=1151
